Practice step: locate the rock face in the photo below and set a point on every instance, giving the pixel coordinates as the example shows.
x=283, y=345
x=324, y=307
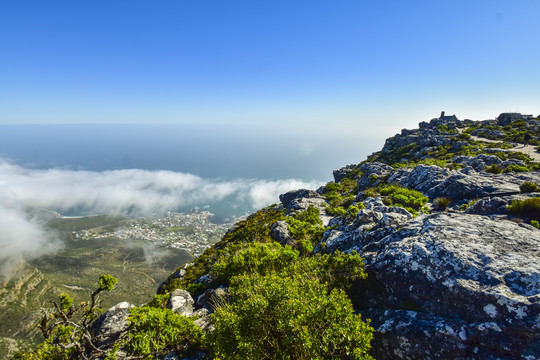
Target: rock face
x=466, y=183
x=455, y=285
x=445, y=285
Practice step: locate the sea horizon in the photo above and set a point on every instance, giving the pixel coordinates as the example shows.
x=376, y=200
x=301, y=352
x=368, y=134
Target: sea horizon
x=229, y=170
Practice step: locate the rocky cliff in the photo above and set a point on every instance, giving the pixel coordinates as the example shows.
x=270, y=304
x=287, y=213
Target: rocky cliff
x=456, y=282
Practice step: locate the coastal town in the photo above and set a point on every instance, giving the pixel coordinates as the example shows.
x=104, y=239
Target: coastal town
x=192, y=232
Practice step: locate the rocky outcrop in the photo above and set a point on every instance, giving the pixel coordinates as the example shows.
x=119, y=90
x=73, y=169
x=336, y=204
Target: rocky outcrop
x=341, y=173
x=287, y=198
x=463, y=184
x=454, y=286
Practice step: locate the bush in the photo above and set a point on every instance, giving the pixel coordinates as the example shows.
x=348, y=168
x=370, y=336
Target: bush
x=535, y=224
x=463, y=207
x=494, y=169
x=516, y=168
x=441, y=203
x=528, y=187
x=354, y=210
x=156, y=332
x=256, y=228
x=336, y=211
x=306, y=228
x=256, y=258
x=371, y=192
x=404, y=197
x=289, y=317
x=529, y=208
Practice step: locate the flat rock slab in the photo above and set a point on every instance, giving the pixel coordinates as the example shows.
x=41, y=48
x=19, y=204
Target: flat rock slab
x=472, y=284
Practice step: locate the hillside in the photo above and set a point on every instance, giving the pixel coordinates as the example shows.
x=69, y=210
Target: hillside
x=445, y=223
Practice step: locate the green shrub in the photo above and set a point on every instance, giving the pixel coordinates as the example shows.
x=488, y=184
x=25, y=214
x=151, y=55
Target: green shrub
x=463, y=207
x=340, y=194
x=528, y=187
x=311, y=215
x=289, y=317
x=400, y=196
x=441, y=203
x=306, y=225
x=160, y=301
x=529, y=208
x=352, y=211
x=155, y=332
x=336, y=211
x=494, y=169
x=371, y=192
x=337, y=270
x=535, y=224
x=256, y=258
x=516, y=168
x=256, y=228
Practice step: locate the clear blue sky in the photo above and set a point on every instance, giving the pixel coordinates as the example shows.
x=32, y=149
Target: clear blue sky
x=361, y=63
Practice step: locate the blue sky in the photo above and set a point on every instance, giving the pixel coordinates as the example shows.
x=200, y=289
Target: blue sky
x=361, y=64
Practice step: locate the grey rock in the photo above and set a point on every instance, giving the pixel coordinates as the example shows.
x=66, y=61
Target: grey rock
x=373, y=173
x=454, y=286
x=334, y=239
x=488, y=206
x=371, y=203
x=202, y=319
x=343, y=172
x=210, y=297
x=513, y=162
x=172, y=356
x=288, y=197
x=479, y=162
x=465, y=184
x=393, y=219
x=507, y=118
x=367, y=216
x=111, y=323
x=181, y=302
x=496, y=205
x=280, y=232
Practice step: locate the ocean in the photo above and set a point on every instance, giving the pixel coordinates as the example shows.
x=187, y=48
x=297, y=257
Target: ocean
x=229, y=170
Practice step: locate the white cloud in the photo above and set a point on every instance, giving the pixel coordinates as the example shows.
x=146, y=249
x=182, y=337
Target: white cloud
x=138, y=192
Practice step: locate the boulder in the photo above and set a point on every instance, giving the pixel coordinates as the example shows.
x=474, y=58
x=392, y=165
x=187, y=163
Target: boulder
x=280, y=232
x=111, y=323
x=343, y=172
x=181, y=302
x=479, y=162
x=288, y=197
x=454, y=286
x=373, y=173
x=208, y=298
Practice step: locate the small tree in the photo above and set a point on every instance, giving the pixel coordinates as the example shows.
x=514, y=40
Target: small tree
x=66, y=328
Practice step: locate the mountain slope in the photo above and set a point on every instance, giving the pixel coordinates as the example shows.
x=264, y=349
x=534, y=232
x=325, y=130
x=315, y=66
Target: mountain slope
x=446, y=223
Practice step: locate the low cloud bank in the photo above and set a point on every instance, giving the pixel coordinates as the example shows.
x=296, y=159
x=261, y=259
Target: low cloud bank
x=133, y=191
